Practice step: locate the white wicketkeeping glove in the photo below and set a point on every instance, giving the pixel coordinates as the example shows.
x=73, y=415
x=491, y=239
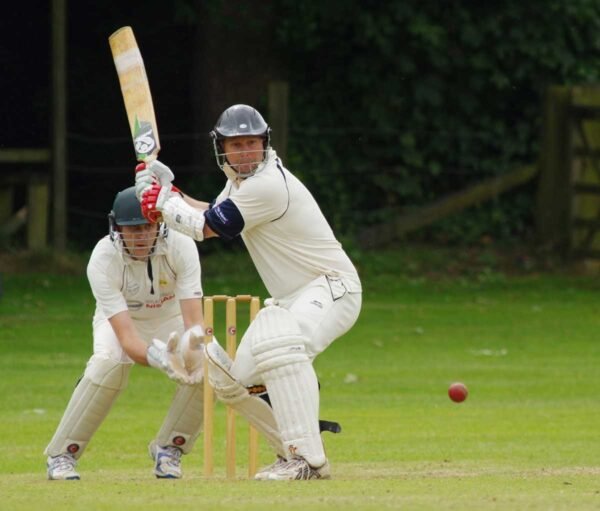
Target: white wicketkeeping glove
x=166, y=357
x=192, y=351
x=148, y=174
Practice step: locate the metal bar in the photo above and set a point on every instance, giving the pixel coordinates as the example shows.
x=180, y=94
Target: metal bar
x=588, y=223
x=583, y=112
x=25, y=155
x=588, y=188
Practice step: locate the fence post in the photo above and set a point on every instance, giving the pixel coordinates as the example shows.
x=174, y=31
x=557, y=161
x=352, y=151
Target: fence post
x=585, y=172
x=37, y=212
x=59, y=124
x=553, y=195
x=6, y=203
x=278, y=117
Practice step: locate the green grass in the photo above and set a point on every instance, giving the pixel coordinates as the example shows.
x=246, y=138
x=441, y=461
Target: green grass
x=526, y=345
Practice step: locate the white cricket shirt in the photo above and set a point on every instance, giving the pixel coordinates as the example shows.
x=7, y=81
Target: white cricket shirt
x=285, y=232
x=120, y=283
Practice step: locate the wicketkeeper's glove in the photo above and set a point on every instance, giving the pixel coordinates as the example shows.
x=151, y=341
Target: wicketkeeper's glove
x=166, y=357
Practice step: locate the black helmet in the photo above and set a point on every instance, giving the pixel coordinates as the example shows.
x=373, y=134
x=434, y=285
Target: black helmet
x=126, y=208
x=239, y=121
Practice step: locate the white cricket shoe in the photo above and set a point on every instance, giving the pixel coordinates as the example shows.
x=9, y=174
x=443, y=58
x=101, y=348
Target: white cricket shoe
x=298, y=469
x=262, y=475
x=62, y=467
x=167, y=461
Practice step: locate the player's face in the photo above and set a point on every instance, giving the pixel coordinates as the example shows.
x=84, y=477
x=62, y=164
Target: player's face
x=244, y=154
x=139, y=239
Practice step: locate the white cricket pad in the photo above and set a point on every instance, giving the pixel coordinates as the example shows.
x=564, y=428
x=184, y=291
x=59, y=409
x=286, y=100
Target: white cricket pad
x=278, y=347
x=231, y=392
x=275, y=339
x=183, y=422
x=182, y=217
x=90, y=403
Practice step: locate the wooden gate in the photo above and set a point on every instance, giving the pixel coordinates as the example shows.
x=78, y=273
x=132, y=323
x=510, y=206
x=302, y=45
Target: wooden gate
x=584, y=172
x=568, y=203
x=35, y=179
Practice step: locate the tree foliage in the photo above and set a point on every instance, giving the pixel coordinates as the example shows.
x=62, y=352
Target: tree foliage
x=393, y=103
x=398, y=102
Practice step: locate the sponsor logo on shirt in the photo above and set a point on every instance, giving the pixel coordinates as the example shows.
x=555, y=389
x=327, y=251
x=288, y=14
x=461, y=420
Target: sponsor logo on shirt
x=159, y=303
x=219, y=212
x=134, y=305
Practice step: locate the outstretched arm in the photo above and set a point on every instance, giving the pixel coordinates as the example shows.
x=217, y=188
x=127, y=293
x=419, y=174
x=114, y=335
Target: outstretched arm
x=159, y=198
x=203, y=206
x=128, y=337
x=160, y=355
x=191, y=310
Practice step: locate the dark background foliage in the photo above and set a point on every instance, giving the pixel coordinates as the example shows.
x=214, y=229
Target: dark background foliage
x=392, y=103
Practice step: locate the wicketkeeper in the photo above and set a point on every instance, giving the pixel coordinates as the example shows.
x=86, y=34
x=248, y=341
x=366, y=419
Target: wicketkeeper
x=146, y=281
x=315, y=288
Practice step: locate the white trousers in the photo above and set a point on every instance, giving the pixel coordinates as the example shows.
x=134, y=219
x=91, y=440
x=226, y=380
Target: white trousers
x=324, y=309
x=107, y=346
x=183, y=422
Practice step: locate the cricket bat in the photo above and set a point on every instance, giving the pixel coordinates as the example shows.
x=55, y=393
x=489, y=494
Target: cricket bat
x=136, y=94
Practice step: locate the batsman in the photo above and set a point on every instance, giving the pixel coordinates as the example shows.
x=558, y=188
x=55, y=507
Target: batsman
x=146, y=282
x=315, y=289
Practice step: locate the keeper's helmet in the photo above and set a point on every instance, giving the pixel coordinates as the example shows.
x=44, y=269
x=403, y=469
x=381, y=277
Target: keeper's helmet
x=241, y=121
x=127, y=210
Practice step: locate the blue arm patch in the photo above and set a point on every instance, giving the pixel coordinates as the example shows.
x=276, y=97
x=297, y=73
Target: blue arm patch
x=225, y=219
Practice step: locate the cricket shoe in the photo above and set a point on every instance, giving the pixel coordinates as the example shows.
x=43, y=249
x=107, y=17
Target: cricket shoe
x=263, y=475
x=62, y=468
x=298, y=469
x=167, y=461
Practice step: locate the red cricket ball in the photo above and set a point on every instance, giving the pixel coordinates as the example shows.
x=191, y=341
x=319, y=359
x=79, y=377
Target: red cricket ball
x=458, y=392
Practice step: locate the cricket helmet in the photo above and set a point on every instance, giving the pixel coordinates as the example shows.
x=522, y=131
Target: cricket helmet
x=127, y=210
x=240, y=121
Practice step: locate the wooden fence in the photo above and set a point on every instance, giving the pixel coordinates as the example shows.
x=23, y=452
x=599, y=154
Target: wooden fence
x=35, y=181
x=383, y=234
x=567, y=212
x=568, y=202
x=567, y=209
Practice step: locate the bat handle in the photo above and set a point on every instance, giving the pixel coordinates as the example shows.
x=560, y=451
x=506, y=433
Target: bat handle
x=143, y=163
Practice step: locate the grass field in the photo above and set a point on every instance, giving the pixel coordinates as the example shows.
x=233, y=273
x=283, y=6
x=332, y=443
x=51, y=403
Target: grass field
x=527, y=346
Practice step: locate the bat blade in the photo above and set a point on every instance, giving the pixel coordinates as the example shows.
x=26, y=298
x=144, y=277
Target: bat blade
x=136, y=93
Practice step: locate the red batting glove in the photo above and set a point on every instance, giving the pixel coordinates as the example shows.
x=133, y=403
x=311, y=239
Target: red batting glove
x=140, y=166
x=150, y=200
x=149, y=204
